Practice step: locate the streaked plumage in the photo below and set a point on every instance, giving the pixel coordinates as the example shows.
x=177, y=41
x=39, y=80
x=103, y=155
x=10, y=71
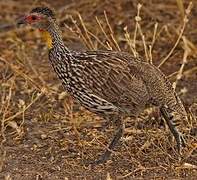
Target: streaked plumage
x=112, y=84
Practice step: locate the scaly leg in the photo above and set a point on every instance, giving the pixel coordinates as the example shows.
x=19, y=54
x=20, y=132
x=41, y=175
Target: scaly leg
x=172, y=126
x=105, y=125
x=116, y=138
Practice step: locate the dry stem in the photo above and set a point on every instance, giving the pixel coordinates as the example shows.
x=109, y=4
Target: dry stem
x=185, y=21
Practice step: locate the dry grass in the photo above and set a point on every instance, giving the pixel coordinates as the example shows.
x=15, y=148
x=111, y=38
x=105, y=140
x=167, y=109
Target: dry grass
x=40, y=121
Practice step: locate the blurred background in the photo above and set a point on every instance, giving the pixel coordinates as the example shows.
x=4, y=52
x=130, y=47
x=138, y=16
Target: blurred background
x=45, y=134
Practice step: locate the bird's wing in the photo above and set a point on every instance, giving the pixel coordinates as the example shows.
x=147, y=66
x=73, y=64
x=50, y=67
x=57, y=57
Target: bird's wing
x=109, y=76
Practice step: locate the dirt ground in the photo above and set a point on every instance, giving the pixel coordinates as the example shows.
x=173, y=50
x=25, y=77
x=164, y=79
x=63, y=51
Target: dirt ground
x=45, y=135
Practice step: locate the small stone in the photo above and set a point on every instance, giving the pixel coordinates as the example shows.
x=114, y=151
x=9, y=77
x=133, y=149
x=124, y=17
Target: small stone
x=43, y=136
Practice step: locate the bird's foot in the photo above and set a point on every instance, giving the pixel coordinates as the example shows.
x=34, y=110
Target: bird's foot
x=102, y=159
x=172, y=121
x=181, y=143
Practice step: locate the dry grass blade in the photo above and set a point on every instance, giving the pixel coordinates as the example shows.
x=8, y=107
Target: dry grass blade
x=79, y=32
x=192, y=51
x=109, y=43
x=130, y=43
x=141, y=169
x=15, y=69
x=84, y=38
x=181, y=7
x=6, y=106
x=173, y=74
x=15, y=126
x=98, y=40
x=190, y=71
x=138, y=19
x=86, y=32
x=37, y=74
x=153, y=42
x=135, y=32
x=34, y=99
x=189, y=166
x=111, y=33
x=108, y=177
x=191, y=46
x=184, y=62
x=185, y=21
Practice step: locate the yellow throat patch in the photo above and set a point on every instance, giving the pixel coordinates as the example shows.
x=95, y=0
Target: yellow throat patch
x=47, y=38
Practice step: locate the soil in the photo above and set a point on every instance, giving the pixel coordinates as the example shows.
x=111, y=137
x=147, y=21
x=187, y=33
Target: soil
x=46, y=135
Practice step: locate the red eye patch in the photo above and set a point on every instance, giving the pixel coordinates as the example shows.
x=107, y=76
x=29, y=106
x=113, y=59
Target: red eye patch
x=32, y=18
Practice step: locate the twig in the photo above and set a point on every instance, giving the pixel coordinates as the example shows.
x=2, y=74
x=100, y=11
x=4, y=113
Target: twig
x=79, y=32
x=181, y=7
x=97, y=39
x=3, y=151
x=27, y=107
x=111, y=46
x=152, y=43
x=138, y=19
x=185, y=55
x=185, y=20
x=130, y=43
x=83, y=37
x=135, y=31
x=190, y=71
x=13, y=67
x=86, y=34
x=138, y=169
x=111, y=32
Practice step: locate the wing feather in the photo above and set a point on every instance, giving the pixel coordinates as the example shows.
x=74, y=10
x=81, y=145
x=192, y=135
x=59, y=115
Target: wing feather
x=113, y=80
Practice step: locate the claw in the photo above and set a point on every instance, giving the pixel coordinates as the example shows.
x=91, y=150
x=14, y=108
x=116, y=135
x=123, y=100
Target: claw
x=175, y=122
x=181, y=143
x=102, y=159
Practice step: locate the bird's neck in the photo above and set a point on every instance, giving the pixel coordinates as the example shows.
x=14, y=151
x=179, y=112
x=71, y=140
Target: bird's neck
x=47, y=38
x=53, y=37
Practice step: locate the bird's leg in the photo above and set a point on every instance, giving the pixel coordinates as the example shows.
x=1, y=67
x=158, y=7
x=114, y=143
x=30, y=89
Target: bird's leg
x=172, y=126
x=116, y=138
x=105, y=124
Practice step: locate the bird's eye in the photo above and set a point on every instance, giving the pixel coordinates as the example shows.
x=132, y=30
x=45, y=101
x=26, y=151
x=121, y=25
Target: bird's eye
x=34, y=18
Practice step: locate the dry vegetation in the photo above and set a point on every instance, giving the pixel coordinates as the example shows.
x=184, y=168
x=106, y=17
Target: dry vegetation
x=45, y=135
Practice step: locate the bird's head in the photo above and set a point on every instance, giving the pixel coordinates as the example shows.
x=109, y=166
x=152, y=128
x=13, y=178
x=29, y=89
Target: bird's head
x=41, y=18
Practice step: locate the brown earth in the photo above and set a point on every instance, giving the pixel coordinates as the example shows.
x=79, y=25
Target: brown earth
x=45, y=136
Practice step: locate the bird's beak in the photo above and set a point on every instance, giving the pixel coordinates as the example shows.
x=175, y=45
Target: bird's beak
x=21, y=21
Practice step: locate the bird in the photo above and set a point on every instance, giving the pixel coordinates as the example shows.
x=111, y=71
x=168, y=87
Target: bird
x=112, y=84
